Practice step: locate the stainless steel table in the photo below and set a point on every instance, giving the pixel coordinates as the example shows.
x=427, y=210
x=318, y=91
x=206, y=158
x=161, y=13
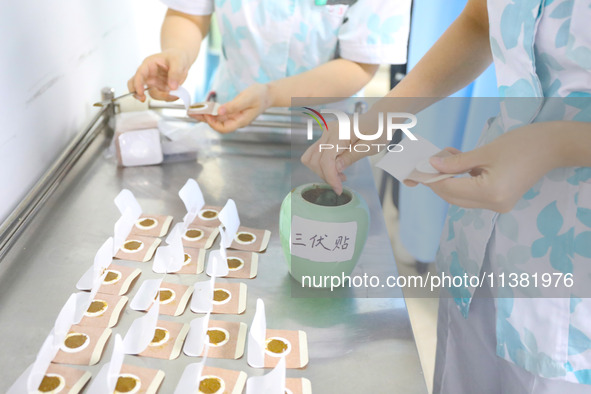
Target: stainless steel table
x=356, y=344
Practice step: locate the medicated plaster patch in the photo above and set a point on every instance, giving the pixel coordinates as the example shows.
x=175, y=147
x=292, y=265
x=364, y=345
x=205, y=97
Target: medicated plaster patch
x=194, y=261
x=167, y=341
x=226, y=339
x=152, y=225
x=242, y=265
x=298, y=386
x=62, y=379
x=412, y=163
x=204, y=108
x=104, y=310
x=199, y=237
x=425, y=173
x=119, y=279
x=293, y=345
x=138, y=248
x=229, y=298
x=250, y=239
x=133, y=379
x=173, y=298
x=219, y=380
x=83, y=345
x=208, y=217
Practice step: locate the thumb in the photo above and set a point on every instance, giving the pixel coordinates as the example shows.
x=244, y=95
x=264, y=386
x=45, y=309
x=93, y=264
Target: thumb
x=239, y=103
x=348, y=157
x=176, y=73
x=449, y=163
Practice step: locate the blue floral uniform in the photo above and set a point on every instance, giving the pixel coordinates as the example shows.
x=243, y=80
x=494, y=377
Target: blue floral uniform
x=265, y=40
x=541, y=49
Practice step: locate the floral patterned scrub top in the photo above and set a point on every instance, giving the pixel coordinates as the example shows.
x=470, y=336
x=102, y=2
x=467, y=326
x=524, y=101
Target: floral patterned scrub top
x=541, y=49
x=265, y=40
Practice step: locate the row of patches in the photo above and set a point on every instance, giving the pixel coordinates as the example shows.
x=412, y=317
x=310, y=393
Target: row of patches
x=85, y=342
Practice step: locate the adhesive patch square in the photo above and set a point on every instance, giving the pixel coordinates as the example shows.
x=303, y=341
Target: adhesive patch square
x=208, y=216
x=83, y=345
x=152, y=225
x=199, y=237
x=59, y=378
x=229, y=298
x=250, y=239
x=298, y=386
x=293, y=345
x=219, y=380
x=167, y=341
x=194, y=261
x=119, y=279
x=226, y=339
x=133, y=379
x=138, y=248
x=104, y=310
x=173, y=298
x=242, y=265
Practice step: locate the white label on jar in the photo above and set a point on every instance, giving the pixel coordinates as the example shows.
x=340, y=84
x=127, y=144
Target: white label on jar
x=322, y=242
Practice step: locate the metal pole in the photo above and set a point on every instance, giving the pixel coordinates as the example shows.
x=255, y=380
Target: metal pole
x=16, y=223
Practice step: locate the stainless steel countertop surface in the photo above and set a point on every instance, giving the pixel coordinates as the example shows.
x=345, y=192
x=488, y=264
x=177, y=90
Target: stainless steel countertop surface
x=356, y=345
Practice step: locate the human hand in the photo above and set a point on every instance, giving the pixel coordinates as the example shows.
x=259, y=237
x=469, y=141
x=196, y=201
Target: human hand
x=501, y=171
x=329, y=156
x=241, y=111
x=161, y=72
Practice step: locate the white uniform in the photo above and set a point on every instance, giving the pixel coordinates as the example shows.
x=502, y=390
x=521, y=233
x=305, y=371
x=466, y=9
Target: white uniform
x=265, y=40
x=541, y=50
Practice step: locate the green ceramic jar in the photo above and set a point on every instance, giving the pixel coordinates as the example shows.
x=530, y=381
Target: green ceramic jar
x=329, y=232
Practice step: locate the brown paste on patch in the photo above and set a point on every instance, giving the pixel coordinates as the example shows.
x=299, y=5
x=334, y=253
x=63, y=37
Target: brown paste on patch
x=210, y=385
x=49, y=383
x=147, y=222
x=75, y=340
x=132, y=245
x=276, y=346
x=234, y=263
x=165, y=294
x=216, y=336
x=245, y=237
x=159, y=335
x=125, y=384
x=194, y=233
x=209, y=214
x=220, y=295
x=96, y=306
x=111, y=276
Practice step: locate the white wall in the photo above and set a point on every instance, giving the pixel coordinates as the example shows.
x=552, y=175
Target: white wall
x=56, y=56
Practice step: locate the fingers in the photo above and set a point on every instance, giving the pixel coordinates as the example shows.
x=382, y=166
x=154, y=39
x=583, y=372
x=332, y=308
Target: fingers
x=132, y=86
x=475, y=192
x=452, y=150
x=223, y=124
x=238, y=104
x=311, y=160
x=330, y=173
x=161, y=73
x=347, y=158
x=199, y=118
x=324, y=164
x=176, y=73
x=459, y=162
x=464, y=192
